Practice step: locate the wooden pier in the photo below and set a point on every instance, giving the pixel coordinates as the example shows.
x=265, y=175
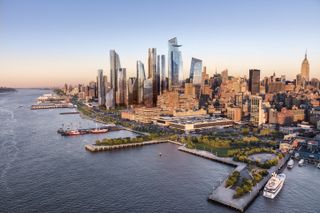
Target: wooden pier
x=100, y=148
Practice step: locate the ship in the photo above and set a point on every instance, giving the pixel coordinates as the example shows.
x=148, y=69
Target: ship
x=290, y=164
x=98, y=131
x=301, y=162
x=72, y=133
x=274, y=185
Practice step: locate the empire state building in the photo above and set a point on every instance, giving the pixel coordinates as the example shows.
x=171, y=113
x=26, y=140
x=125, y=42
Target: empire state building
x=305, y=68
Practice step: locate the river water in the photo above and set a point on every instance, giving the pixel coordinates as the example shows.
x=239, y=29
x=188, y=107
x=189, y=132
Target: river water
x=41, y=171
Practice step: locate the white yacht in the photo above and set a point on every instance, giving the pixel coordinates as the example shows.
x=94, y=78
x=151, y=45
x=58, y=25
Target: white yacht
x=274, y=185
x=301, y=162
x=290, y=164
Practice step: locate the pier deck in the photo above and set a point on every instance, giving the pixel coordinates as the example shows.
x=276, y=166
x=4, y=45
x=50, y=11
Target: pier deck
x=99, y=148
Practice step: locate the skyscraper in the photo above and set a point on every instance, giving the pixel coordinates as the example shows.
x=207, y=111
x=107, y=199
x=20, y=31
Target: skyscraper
x=114, y=66
x=196, y=71
x=224, y=75
x=152, y=72
x=147, y=93
x=121, y=93
x=175, y=72
x=254, y=81
x=141, y=77
x=101, y=88
x=305, y=69
x=161, y=74
x=132, y=91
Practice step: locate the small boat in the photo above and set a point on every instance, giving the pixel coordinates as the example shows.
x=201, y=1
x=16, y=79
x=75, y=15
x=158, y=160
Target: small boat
x=290, y=164
x=301, y=162
x=160, y=154
x=274, y=185
x=318, y=166
x=296, y=155
x=98, y=131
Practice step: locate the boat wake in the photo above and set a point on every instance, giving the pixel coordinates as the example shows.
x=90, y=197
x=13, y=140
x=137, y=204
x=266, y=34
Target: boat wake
x=8, y=146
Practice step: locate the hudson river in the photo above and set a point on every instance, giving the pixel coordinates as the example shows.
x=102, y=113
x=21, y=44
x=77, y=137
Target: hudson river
x=41, y=171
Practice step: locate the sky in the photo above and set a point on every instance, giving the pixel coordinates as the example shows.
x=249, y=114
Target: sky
x=45, y=43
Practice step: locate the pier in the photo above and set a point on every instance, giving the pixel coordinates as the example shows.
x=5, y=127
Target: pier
x=89, y=130
x=51, y=106
x=99, y=148
x=223, y=195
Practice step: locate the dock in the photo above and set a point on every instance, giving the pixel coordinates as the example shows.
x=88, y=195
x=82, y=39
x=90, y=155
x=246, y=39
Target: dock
x=51, y=106
x=100, y=148
x=224, y=195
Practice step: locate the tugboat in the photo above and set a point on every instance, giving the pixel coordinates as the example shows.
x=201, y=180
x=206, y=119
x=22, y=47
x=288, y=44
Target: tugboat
x=290, y=164
x=274, y=185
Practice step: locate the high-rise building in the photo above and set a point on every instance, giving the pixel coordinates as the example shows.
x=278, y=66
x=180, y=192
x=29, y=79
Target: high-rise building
x=132, y=91
x=148, y=93
x=92, y=89
x=161, y=74
x=121, y=93
x=114, y=67
x=305, y=69
x=152, y=72
x=257, y=116
x=110, y=98
x=254, y=81
x=101, y=88
x=196, y=71
x=141, y=77
x=175, y=72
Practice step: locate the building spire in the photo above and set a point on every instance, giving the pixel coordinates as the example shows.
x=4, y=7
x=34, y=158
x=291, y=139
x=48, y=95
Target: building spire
x=305, y=55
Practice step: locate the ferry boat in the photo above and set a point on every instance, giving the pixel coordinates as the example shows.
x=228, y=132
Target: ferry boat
x=290, y=164
x=274, y=185
x=301, y=162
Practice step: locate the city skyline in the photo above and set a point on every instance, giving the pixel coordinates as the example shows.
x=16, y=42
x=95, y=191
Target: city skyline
x=41, y=49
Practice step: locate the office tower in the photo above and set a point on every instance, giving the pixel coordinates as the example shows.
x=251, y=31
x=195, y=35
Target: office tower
x=175, y=72
x=254, y=81
x=161, y=74
x=299, y=80
x=224, y=75
x=114, y=67
x=152, y=72
x=101, y=88
x=92, y=89
x=196, y=71
x=256, y=111
x=148, y=93
x=132, y=91
x=141, y=77
x=121, y=93
x=110, y=98
x=305, y=69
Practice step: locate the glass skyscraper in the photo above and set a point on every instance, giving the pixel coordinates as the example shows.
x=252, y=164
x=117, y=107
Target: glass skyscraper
x=196, y=71
x=114, y=67
x=121, y=93
x=147, y=93
x=175, y=72
x=101, y=88
x=161, y=73
x=141, y=77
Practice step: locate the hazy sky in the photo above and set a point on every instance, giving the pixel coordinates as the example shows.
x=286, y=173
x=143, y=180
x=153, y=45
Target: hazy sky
x=47, y=43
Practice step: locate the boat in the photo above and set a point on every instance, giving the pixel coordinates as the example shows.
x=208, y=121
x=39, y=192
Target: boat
x=274, y=185
x=318, y=166
x=301, y=162
x=98, y=131
x=160, y=154
x=290, y=164
x=72, y=133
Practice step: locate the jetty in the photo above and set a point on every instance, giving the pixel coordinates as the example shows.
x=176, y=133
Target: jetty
x=100, y=148
x=51, y=106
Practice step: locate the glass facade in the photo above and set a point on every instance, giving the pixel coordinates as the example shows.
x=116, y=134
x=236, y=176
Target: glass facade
x=175, y=72
x=114, y=67
x=141, y=76
x=101, y=88
x=196, y=71
x=147, y=93
x=121, y=93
